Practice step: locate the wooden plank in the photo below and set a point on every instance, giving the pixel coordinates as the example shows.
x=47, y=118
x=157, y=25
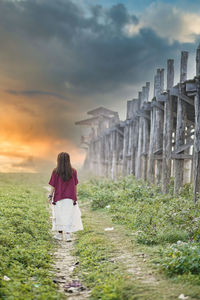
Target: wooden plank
x=144, y=153
x=157, y=157
x=191, y=94
x=186, y=99
x=183, y=147
x=190, y=87
x=102, y=110
x=119, y=131
x=158, y=105
x=158, y=151
x=90, y=121
x=141, y=113
x=174, y=91
x=122, y=124
x=181, y=156
x=162, y=97
x=147, y=106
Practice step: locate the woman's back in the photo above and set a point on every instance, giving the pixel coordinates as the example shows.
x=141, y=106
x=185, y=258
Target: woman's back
x=66, y=212
x=64, y=189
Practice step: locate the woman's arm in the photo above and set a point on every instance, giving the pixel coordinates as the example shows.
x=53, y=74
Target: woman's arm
x=52, y=190
x=51, y=194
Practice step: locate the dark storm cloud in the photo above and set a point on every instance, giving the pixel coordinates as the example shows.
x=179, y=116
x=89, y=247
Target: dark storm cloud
x=62, y=47
x=119, y=15
x=77, y=51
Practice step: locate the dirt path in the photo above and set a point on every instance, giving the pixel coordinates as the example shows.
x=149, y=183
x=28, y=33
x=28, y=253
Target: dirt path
x=133, y=262
x=64, y=265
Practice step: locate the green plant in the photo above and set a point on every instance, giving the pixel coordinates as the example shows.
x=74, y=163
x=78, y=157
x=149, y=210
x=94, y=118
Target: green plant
x=181, y=258
x=25, y=240
x=155, y=218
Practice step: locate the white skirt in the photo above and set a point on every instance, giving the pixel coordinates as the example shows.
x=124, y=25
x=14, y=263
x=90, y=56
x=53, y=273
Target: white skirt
x=66, y=216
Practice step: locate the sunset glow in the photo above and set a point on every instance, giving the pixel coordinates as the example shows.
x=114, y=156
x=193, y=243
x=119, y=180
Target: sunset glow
x=29, y=142
x=60, y=59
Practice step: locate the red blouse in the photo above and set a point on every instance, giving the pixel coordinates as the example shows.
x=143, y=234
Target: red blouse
x=64, y=189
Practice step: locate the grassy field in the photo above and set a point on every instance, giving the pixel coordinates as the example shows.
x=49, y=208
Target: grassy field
x=25, y=240
x=152, y=253
x=166, y=229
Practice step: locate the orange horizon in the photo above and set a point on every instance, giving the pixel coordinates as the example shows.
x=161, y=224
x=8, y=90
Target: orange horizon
x=29, y=142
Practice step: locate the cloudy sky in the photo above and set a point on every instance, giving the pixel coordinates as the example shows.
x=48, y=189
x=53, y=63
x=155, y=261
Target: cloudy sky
x=62, y=58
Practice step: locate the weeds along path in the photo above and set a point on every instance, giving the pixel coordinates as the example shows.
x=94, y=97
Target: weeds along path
x=134, y=261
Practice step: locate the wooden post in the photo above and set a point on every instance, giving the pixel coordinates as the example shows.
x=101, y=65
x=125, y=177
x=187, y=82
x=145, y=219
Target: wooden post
x=114, y=155
x=198, y=61
x=125, y=148
x=107, y=153
x=103, y=155
x=159, y=120
x=139, y=149
x=101, y=151
x=187, y=162
x=130, y=135
x=135, y=129
x=119, y=148
x=127, y=132
x=196, y=157
x=146, y=133
x=110, y=155
x=167, y=129
x=180, y=125
x=151, y=161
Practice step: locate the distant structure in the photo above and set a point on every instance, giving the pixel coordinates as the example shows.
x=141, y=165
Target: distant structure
x=160, y=138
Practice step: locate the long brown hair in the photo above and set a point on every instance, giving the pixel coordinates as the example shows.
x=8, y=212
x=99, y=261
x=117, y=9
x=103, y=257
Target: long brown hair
x=64, y=168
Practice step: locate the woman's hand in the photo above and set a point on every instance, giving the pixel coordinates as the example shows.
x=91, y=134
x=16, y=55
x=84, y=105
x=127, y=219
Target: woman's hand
x=74, y=202
x=50, y=198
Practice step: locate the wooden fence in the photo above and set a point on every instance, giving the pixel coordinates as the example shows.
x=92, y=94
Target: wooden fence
x=160, y=138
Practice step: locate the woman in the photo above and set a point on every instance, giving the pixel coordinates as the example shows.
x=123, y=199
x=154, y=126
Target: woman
x=66, y=213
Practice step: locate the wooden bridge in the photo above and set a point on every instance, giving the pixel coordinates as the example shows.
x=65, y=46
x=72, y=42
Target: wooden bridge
x=160, y=138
